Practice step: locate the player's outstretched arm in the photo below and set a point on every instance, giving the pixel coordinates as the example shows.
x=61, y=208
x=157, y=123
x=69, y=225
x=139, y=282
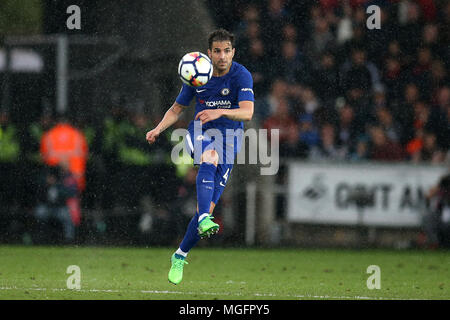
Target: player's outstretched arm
x=170, y=117
x=243, y=113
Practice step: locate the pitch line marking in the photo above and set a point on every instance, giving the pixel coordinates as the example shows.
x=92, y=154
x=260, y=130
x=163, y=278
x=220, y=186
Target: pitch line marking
x=206, y=293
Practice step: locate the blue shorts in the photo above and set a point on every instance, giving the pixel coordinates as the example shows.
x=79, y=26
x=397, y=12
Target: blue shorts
x=199, y=142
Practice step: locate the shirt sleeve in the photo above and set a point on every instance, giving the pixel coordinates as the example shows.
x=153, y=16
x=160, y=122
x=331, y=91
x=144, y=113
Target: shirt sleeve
x=185, y=96
x=245, y=86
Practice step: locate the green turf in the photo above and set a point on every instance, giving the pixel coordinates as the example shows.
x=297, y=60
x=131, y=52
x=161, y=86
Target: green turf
x=141, y=273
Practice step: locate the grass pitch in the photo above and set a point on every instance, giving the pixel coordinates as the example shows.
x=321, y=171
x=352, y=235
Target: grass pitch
x=35, y=272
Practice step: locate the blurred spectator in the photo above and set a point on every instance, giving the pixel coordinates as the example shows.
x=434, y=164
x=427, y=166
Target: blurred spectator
x=326, y=79
x=410, y=29
x=421, y=71
x=267, y=105
x=290, y=33
x=250, y=13
x=430, y=39
x=257, y=63
x=65, y=143
x=361, y=151
x=443, y=98
x=308, y=133
x=281, y=119
x=444, y=28
x=251, y=33
x=418, y=126
x=310, y=103
x=273, y=14
x=432, y=120
x=9, y=142
x=347, y=130
x=56, y=187
x=358, y=39
x=386, y=121
x=133, y=151
x=358, y=73
x=344, y=30
x=411, y=94
x=404, y=112
x=392, y=77
x=436, y=221
x=327, y=149
x=393, y=71
x=441, y=111
x=429, y=9
x=293, y=147
x=379, y=99
x=36, y=131
x=9, y=156
x=429, y=151
x=292, y=65
x=382, y=148
x=439, y=76
x=137, y=161
x=321, y=39
x=394, y=50
x=359, y=12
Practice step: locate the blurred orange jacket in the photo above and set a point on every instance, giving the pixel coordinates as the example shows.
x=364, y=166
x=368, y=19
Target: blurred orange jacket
x=64, y=143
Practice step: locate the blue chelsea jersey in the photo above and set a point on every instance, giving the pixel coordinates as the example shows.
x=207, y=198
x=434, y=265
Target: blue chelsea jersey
x=223, y=92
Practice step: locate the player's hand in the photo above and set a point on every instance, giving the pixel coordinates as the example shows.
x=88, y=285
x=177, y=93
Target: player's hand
x=208, y=115
x=152, y=135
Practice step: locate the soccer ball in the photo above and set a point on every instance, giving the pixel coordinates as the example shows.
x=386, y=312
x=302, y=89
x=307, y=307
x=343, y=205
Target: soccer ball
x=195, y=69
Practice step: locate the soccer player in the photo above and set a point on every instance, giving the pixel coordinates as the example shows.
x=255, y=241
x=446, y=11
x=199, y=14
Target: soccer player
x=221, y=105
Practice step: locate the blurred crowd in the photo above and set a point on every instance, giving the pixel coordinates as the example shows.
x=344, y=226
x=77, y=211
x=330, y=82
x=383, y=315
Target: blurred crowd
x=338, y=90
x=335, y=89
x=56, y=168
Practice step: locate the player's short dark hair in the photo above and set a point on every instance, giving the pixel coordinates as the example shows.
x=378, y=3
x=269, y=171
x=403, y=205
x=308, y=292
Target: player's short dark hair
x=220, y=35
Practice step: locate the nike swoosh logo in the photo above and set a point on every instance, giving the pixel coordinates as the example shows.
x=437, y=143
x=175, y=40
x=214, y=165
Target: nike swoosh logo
x=198, y=91
x=206, y=181
x=222, y=184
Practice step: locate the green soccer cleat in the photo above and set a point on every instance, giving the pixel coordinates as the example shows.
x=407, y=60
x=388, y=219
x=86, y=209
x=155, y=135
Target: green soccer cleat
x=176, y=270
x=207, y=227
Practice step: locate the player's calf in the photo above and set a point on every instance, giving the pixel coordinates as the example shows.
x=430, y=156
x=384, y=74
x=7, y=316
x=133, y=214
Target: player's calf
x=205, y=182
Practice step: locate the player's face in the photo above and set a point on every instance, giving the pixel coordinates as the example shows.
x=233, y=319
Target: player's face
x=221, y=54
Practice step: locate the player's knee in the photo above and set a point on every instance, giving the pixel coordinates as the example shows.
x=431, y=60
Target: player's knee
x=210, y=156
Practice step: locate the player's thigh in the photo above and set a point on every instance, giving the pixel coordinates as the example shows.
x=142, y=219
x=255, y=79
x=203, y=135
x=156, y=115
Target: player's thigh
x=202, y=148
x=210, y=156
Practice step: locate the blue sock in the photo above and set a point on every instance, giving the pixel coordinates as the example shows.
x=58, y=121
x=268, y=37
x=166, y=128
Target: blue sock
x=205, y=187
x=205, y=191
x=191, y=236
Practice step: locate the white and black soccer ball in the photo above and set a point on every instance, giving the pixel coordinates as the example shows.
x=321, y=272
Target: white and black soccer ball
x=195, y=69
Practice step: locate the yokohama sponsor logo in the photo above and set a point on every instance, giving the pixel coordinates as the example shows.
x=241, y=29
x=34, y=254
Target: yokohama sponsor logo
x=219, y=104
